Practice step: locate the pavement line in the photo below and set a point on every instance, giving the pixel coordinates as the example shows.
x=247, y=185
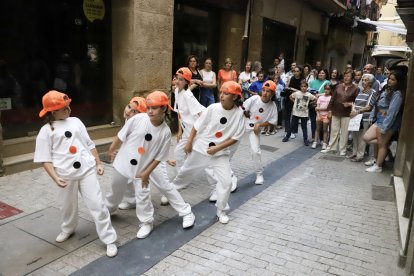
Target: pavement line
x=138, y=256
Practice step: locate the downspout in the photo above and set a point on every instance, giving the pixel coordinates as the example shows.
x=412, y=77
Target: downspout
x=245, y=38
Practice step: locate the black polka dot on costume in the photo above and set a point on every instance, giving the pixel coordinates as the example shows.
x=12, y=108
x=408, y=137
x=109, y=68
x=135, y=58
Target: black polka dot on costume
x=148, y=137
x=261, y=110
x=223, y=120
x=212, y=144
x=251, y=125
x=68, y=134
x=77, y=165
x=133, y=162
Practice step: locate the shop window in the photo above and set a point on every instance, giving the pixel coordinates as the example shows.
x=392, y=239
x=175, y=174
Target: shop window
x=54, y=44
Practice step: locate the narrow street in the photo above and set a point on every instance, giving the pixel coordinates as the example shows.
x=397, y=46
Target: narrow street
x=316, y=214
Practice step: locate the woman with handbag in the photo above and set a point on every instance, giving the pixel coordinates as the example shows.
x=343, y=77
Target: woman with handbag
x=340, y=108
x=388, y=118
x=364, y=103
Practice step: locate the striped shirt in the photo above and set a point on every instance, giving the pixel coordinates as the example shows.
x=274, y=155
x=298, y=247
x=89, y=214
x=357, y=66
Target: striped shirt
x=362, y=101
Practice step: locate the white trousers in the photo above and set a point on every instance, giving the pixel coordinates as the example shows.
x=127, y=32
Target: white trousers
x=339, y=133
x=88, y=187
x=144, y=207
x=256, y=152
x=179, y=153
x=129, y=196
x=212, y=180
x=220, y=165
x=358, y=143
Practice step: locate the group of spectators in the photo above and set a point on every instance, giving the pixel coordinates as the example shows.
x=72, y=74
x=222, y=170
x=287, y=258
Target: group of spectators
x=346, y=109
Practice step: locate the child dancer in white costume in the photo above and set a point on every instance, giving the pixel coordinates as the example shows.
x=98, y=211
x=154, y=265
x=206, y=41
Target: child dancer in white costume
x=219, y=126
x=261, y=112
x=135, y=106
x=145, y=142
x=70, y=158
x=189, y=110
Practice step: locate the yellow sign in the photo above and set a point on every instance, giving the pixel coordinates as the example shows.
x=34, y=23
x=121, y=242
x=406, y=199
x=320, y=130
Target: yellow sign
x=94, y=9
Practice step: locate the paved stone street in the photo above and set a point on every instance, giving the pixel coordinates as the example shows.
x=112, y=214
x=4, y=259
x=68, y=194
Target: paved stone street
x=317, y=219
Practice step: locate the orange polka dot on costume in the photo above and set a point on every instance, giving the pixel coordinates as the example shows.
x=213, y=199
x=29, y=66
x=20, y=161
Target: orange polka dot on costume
x=141, y=150
x=73, y=149
x=258, y=118
x=219, y=134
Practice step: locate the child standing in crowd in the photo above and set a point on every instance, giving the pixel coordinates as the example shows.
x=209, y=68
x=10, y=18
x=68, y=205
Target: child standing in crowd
x=145, y=142
x=219, y=126
x=261, y=111
x=136, y=105
x=256, y=87
x=322, y=117
x=70, y=158
x=300, y=111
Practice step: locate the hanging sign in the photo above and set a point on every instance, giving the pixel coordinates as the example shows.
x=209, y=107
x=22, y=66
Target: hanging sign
x=94, y=9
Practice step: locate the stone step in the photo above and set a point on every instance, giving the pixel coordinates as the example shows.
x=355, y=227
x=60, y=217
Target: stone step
x=26, y=145
x=23, y=162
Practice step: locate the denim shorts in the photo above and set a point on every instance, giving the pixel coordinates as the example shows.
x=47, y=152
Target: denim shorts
x=395, y=126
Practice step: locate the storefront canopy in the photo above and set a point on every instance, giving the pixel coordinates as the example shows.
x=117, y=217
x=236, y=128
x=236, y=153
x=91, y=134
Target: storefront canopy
x=392, y=27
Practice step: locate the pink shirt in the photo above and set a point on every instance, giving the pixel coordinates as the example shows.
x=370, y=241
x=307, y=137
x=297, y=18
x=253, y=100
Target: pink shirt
x=323, y=102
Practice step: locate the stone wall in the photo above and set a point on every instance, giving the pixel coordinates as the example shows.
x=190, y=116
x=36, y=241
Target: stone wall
x=142, y=35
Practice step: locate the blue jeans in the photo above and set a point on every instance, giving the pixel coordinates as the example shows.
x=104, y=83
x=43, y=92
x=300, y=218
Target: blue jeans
x=207, y=97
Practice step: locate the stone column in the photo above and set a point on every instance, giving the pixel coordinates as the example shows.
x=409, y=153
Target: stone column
x=142, y=39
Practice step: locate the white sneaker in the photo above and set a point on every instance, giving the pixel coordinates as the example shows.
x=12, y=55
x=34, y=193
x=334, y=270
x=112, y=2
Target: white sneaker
x=292, y=136
x=127, y=206
x=188, y=220
x=314, y=144
x=374, y=168
x=144, y=230
x=342, y=153
x=222, y=217
x=63, y=237
x=233, y=183
x=111, y=250
x=164, y=200
x=259, y=179
x=213, y=196
x=370, y=162
x=324, y=146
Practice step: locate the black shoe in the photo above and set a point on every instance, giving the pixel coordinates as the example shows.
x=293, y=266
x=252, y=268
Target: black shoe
x=285, y=139
x=306, y=142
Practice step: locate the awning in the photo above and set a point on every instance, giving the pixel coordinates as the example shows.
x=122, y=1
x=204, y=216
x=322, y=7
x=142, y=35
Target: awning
x=390, y=51
x=392, y=27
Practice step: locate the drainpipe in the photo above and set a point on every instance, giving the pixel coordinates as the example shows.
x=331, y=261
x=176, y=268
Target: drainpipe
x=245, y=38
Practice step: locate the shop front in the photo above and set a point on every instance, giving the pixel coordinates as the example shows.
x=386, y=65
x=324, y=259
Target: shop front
x=54, y=44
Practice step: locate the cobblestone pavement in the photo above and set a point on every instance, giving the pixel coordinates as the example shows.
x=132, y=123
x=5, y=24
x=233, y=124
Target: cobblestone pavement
x=319, y=219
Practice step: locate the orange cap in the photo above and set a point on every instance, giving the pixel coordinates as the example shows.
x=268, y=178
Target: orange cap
x=158, y=98
x=53, y=100
x=271, y=85
x=231, y=87
x=141, y=104
x=185, y=73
